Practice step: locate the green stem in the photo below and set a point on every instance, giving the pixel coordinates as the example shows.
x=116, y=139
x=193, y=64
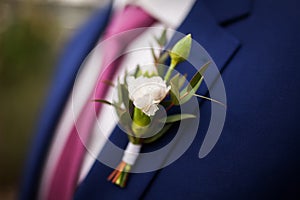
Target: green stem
x=140, y=122
x=172, y=66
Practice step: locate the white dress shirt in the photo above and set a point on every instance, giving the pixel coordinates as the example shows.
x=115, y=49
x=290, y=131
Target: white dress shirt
x=169, y=14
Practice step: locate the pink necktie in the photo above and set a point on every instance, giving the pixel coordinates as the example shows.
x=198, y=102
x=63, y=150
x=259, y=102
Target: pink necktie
x=64, y=180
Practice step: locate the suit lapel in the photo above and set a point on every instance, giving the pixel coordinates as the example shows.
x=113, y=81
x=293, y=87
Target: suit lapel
x=229, y=11
x=221, y=46
x=75, y=53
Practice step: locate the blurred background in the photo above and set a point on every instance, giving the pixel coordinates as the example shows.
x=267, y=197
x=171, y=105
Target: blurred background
x=32, y=35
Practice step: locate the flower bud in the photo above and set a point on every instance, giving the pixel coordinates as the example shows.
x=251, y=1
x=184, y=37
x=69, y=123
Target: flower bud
x=181, y=50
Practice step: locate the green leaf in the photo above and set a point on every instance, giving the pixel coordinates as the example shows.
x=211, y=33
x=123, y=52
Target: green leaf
x=147, y=74
x=160, y=70
x=181, y=81
x=138, y=71
x=210, y=99
x=103, y=101
x=187, y=93
x=125, y=96
x=153, y=54
x=161, y=41
x=175, y=79
x=160, y=64
x=125, y=120
x=163, y=57
x=175, y=89
x=119, y=88
x=117, y=107
x=199, y=74
x=157, y=135
x=177, y=117
x=178, y=80
x=125, y=77
x=176, y=83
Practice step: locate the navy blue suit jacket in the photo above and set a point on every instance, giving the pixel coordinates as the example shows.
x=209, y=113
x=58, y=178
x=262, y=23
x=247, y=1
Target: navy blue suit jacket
x=255, y=45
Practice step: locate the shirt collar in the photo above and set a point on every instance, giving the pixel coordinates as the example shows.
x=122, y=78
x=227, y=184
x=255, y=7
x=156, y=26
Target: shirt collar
x=168, y=13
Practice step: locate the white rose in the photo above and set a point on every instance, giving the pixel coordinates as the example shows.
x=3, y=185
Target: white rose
x=147, y=93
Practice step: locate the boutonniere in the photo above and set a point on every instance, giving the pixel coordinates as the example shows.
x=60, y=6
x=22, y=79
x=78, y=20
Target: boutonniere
x=141, y=96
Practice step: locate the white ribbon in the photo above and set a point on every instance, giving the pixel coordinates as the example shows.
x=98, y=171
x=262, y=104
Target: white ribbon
x=131, y=153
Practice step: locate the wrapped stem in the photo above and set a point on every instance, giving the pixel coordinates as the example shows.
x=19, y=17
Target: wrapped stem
x=120, y=175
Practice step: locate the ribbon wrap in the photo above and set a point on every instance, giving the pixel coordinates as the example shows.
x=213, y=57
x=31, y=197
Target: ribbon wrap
x=131, y=153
